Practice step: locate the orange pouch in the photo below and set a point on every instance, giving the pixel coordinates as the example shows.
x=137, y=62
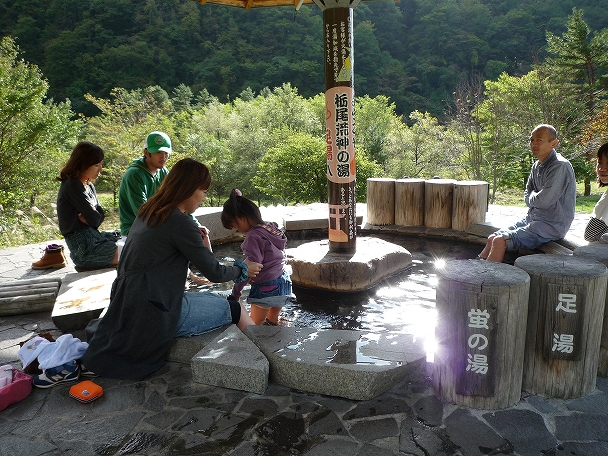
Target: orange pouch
x=86, y=391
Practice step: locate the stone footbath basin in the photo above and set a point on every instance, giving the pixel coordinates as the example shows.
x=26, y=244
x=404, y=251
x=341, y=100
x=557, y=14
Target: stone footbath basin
x=401, y=304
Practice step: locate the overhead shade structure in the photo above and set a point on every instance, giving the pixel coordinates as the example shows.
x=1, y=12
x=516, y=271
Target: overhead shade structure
x=339, y=112
x=248, y=4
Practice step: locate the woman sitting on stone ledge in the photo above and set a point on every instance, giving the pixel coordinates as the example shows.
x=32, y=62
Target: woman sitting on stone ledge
x=148, y=306
x=80, y=214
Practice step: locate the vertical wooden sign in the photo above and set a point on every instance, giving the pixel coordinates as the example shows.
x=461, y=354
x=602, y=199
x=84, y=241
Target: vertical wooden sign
x=340, y=128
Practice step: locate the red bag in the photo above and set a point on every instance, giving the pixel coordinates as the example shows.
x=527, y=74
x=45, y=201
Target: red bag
x=19, y=389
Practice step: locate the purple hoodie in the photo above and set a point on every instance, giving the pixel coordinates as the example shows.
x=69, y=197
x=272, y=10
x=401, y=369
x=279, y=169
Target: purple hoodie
x=264, y=244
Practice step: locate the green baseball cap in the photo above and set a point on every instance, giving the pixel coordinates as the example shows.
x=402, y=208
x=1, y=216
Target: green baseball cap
x=157, y=141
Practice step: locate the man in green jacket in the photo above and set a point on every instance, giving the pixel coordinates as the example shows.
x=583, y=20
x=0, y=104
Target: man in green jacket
x=142, y=178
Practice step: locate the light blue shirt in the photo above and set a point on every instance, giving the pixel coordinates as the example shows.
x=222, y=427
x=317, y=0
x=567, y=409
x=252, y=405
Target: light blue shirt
x=551, y=197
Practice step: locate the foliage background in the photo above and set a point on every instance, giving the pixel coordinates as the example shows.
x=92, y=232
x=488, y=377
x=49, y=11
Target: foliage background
x=443, y=88
x=413, y=51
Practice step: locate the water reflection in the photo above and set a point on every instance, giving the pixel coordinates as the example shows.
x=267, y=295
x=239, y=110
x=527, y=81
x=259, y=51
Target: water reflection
x=403, y=303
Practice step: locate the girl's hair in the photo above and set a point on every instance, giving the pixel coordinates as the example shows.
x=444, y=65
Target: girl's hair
x=84, y=155
x=602, y=151
x=239, y=206
x=186, y=176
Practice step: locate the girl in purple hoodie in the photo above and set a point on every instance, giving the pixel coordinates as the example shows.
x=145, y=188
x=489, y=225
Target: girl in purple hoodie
x=264, y=243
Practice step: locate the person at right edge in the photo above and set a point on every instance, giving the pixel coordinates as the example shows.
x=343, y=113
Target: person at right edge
x=550, y=196
x=597, y=227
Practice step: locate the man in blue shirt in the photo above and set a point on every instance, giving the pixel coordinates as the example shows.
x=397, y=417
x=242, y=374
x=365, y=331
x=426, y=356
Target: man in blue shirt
x=550, y=196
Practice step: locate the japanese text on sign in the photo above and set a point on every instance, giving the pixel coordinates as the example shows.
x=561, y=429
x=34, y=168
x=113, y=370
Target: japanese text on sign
x=564, y=343
x=478, y=362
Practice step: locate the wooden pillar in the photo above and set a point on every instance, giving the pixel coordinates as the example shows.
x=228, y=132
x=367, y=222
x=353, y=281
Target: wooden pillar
x=482, y=308
x=340, y=123
x=381, y=201
x=438, y=196
x=470, y=204
x=565, y=310
x=409, y=202
x=599, y=252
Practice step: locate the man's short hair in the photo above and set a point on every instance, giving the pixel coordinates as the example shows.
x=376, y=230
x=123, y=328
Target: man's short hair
x=550, y=128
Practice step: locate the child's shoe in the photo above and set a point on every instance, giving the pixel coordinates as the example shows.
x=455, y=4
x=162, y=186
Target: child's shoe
x=84, y=372
x=68, y=372
x=267, y=322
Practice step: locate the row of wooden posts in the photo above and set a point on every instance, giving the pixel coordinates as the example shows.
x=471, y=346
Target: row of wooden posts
x=540, y=325
x=434, y=203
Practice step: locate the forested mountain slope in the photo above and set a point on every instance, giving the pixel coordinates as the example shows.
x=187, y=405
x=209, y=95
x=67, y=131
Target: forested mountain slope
x=414, y=51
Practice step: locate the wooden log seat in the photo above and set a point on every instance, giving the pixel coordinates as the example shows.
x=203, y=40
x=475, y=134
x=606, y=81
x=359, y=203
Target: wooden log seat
x=381, y=201
x=470, y=204
x=480, y=334
x=36, y=294
x=409, y=202
x=567, y=295
x=438, y=196
x=598, y=252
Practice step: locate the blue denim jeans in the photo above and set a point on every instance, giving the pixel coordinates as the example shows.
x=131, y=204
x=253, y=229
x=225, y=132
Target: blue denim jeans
x=274, y=293
x=517, y=236
x=202, y=312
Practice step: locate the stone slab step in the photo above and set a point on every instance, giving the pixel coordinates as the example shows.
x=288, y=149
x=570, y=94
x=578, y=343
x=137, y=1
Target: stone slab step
x=82, y=297
x=311, y=222
x=356, y=365
x=184, y=348
x=231, y=360
x=210, y=217
x=28, y=295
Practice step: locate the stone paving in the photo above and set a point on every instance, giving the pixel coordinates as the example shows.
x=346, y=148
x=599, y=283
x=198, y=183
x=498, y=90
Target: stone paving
x=170, y=414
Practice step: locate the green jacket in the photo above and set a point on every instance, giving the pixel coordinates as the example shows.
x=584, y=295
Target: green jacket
x=137, y=185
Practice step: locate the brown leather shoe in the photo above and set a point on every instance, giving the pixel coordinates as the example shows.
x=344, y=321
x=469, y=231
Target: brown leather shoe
x=53, y=258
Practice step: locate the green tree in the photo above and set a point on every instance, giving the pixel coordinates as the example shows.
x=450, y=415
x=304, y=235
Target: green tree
x=125, y=121
x=512, y=107
x=376, y=120
x=36, y=134
x=580, y=60
x=295, y=170
x=422, y=150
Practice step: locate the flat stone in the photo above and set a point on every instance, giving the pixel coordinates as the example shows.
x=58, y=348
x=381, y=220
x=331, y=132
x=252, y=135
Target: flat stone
x=429, y=410
x=482, y=229
x=184, y=348
x=231, y=360
x=524, y=429
x=581, y=427
x=83, y=296
x=469, y=434
x=597, y=402
x=311, y=222
x=355, y=365
x=417, y=439
x=375, y=259
x=368, y=431
x=587, y=449
x=211, y=218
